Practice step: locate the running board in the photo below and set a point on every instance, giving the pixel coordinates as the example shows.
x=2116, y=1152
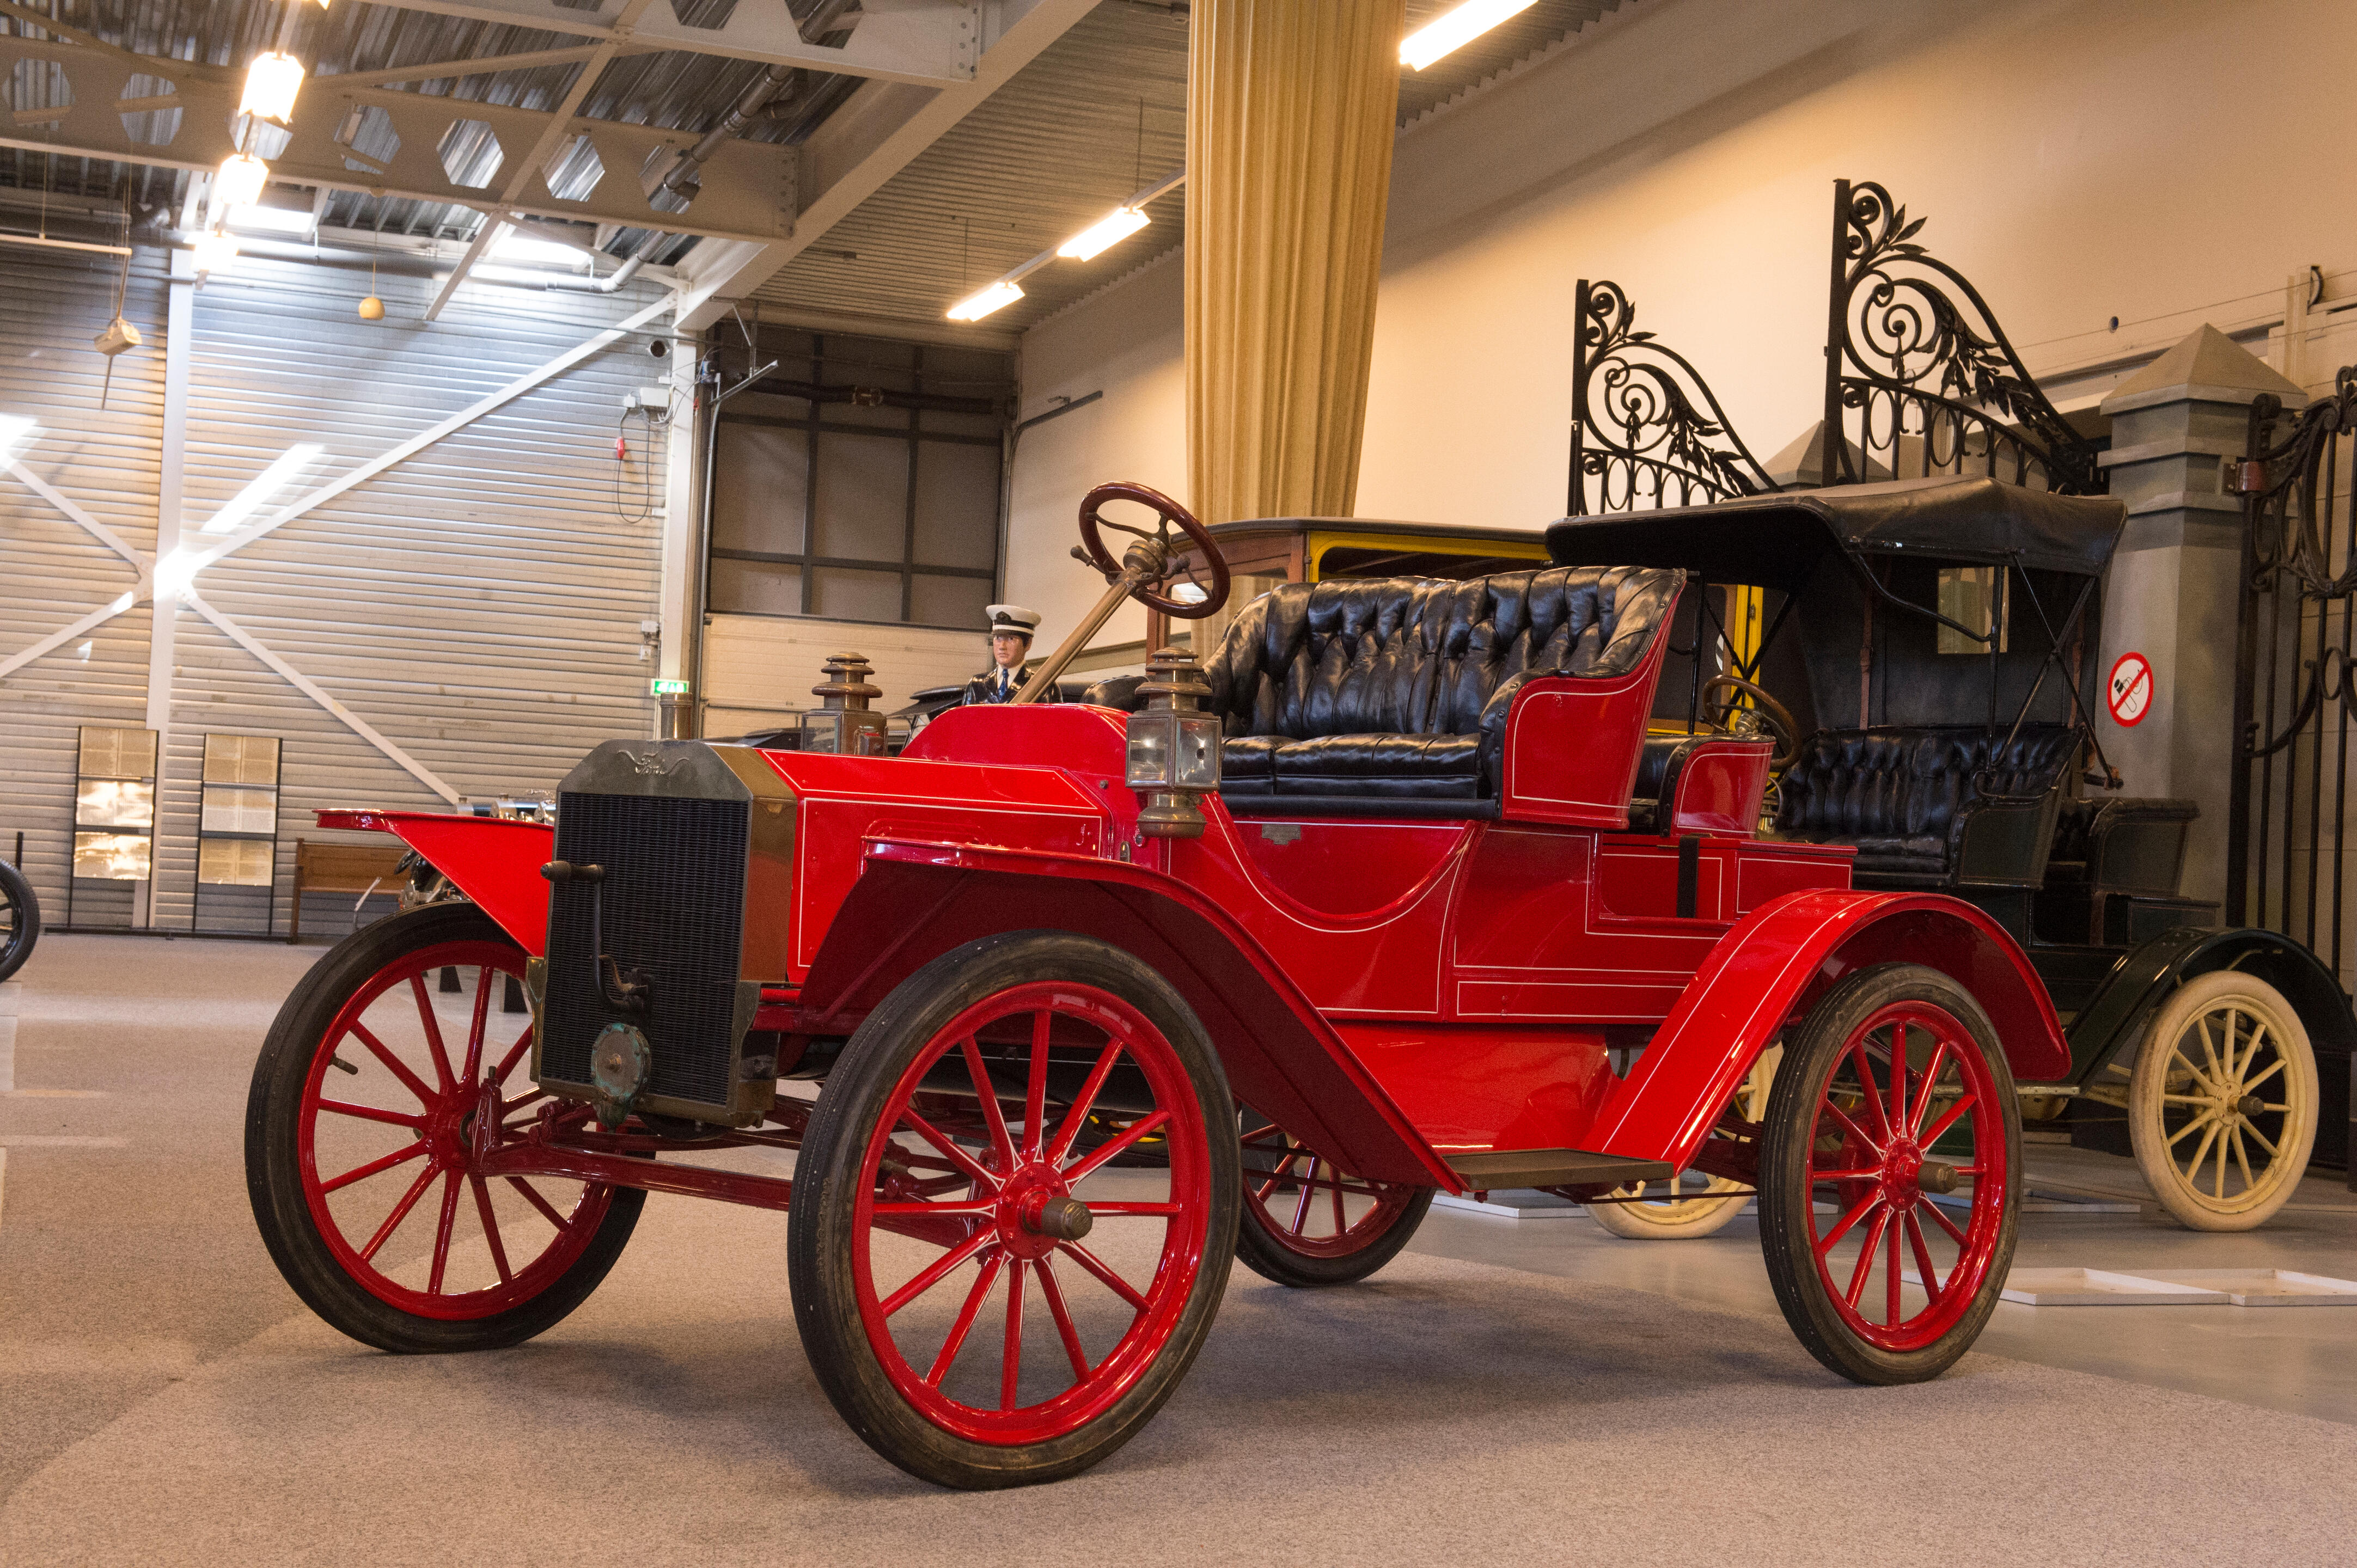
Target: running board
x=1494, y=1170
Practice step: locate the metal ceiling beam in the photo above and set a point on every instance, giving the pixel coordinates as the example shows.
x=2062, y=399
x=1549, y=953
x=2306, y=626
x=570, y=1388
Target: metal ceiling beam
x=930, y=42
x=875, y=135
x=528, y=172
x=748, y=191
x=450, y=70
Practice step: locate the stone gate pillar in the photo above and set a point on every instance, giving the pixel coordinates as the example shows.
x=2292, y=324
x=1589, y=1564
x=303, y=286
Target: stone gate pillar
x=2177, y=427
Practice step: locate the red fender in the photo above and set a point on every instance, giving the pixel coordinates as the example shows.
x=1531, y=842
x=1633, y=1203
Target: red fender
x=495, y=861
x=1769, y=970
x=916, y=900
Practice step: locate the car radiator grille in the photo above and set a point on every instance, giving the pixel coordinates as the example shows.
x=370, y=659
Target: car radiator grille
x=674, y=901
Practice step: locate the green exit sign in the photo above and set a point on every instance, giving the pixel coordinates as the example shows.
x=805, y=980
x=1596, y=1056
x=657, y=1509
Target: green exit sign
x=669, y=688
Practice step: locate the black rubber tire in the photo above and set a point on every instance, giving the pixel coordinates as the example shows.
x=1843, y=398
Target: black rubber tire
x=16, y=893
x=1811, y=1055
x=1272, y=1259
x=274, y=1183
x=818, y=1232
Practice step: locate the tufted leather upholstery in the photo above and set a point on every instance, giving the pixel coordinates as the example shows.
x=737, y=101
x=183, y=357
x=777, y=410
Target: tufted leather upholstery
x=1903, y=795
x=1400, y=686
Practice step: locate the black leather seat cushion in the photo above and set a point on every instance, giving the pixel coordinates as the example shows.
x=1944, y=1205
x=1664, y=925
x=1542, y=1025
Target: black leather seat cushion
x=1896, y=792
x=1428, y=767
x=1400, y=686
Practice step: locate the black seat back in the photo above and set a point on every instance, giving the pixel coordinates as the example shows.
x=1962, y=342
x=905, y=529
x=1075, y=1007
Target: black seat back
x=1422, y=656
x=1906, y=795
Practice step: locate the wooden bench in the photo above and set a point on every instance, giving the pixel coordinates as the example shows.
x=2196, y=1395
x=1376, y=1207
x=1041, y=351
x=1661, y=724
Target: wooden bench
x=342, y=868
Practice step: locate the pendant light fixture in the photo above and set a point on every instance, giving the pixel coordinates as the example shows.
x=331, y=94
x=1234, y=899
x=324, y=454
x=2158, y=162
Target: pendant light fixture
x=240, y=181
x=271, y=83
x=118, y=334
x=214, y=251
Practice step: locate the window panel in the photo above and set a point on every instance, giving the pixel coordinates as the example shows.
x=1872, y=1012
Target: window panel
x=863, y=499
x=841, y=593
x=756, y=588
x=799, y=483
x=957, y=505
x=759, y=488
x=948, y=601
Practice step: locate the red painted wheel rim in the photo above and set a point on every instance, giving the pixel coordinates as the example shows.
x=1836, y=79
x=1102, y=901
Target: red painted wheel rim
x=1307, y=1204
x=947, y=1226
x=1915, y=1271
x=412, y=1111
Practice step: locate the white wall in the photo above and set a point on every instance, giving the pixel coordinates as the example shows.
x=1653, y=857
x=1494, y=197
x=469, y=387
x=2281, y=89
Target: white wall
x=2162, y=161
x=1125, y=343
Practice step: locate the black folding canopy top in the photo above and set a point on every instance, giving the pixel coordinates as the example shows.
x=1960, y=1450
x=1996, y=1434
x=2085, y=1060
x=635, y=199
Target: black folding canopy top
x=1778, y=541
x=1843, y=558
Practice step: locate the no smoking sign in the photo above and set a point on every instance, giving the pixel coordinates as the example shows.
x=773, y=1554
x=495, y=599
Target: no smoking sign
x=2130, y=692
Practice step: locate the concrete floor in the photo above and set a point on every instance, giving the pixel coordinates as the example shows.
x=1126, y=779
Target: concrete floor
x=161, y=1389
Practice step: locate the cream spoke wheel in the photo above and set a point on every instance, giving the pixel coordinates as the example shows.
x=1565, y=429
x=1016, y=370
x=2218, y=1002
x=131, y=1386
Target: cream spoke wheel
x=1678, y=1210
x=2195, y=1088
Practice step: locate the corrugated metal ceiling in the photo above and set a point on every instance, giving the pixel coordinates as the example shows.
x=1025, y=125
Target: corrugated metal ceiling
x=1100, y=113
x=1056, y=149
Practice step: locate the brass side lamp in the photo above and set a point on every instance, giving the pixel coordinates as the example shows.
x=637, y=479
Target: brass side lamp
x=1174, y=747
x=843, y=723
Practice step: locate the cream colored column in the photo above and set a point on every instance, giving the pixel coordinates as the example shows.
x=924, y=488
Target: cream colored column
x=1290, y=111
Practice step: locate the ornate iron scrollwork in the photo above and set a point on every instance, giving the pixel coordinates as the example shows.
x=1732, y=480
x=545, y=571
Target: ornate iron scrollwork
x=2295, y=687
x=1920, y=384
x=1641, y=437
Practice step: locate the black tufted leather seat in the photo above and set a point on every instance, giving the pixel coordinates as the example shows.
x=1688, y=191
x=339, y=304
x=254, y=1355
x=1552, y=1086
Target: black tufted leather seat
x=1400, y=686
x=1910, y=797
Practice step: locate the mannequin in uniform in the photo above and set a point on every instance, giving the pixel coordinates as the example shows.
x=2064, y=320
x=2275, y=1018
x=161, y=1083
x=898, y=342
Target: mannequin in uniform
x=1011, y=629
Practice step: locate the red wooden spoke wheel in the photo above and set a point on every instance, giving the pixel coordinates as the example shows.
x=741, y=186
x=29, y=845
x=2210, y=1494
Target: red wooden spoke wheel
x=1308, y=1221
x=1889, y=1167
x=985, y=1302
x=376, y=1100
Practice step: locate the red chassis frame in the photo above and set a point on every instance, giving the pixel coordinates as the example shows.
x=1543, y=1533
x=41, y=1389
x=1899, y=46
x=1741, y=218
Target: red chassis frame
x=1390, y=991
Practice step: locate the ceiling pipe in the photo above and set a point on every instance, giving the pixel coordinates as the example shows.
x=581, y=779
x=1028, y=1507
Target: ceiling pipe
x=674, y=177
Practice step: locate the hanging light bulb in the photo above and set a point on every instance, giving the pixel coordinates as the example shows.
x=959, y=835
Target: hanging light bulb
x=240, y=181
x=272, y=82
x=213, y=251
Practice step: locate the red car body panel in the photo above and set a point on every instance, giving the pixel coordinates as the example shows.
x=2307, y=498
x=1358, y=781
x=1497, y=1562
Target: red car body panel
x=1767, y=971
x=495, y=861
x=917, y=900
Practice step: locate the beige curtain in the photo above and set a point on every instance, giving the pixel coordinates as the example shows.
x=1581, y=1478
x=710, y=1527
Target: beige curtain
x=1290, y=107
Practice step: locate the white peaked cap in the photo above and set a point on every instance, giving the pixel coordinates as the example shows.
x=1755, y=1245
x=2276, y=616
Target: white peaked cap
x=1014, y=619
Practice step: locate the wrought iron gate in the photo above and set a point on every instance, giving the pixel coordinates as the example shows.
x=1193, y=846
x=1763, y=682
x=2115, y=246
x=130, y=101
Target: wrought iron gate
x=2288, y=842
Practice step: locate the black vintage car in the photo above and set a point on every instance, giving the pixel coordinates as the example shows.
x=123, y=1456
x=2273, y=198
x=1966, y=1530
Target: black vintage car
x=1925, y=652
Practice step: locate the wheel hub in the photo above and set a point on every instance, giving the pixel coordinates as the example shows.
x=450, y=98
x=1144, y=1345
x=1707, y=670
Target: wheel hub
x=1903, y=1173
x=1037, y=1210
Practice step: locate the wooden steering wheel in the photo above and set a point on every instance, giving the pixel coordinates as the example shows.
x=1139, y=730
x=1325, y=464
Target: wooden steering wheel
x=1780, y=718
x=1169, y=512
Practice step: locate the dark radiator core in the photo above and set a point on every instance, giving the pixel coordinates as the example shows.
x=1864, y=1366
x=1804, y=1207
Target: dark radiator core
x=674, y=897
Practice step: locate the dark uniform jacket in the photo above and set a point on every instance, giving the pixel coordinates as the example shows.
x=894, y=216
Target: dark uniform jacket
x=985, y=687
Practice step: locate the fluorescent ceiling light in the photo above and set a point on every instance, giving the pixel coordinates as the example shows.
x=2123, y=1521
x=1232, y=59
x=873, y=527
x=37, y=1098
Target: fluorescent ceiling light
x=514, y=247
x=975, y=306
x=1455, y=29
x=271, y=220
x=283, y=471
x=1119, y=224
x=272, y=82
x=16, y=433
x=213, y=251
x=240, y=179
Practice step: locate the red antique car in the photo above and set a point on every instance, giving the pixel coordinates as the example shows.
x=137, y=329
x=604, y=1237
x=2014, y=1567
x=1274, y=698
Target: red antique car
x=1065, y=1006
